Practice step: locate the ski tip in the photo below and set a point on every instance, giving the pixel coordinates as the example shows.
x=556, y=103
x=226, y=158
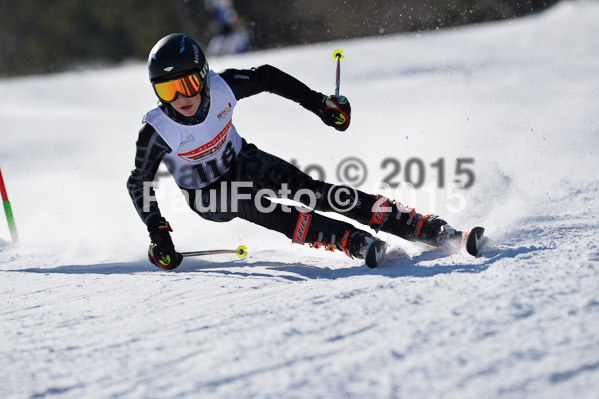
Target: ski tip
x=375, y=253
x=242, y=252
x=473, y=240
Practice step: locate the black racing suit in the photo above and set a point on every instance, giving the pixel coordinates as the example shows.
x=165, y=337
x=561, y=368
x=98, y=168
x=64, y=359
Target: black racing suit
x=265, y=171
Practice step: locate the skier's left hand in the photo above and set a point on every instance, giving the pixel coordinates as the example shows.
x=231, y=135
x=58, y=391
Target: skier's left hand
x=334, y=111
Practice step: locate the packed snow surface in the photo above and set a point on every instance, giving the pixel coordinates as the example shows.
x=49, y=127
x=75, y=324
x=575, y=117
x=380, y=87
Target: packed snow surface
x=84, y=315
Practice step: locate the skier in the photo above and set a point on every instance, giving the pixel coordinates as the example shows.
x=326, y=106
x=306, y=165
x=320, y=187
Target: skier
x=191, y=130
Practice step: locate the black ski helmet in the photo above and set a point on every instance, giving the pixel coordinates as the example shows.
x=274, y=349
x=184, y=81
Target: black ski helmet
x=178, y=54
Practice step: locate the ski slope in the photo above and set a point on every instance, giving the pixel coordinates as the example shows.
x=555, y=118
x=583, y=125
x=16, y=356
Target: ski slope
x=84, y=315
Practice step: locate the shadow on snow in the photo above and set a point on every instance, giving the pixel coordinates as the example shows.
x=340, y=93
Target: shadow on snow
x=426, y=264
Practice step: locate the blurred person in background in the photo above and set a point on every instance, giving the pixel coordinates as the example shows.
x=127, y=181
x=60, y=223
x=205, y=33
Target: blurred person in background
x=230, y=32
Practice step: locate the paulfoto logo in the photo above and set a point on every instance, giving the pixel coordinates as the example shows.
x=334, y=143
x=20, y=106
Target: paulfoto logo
x=394, y=172
x=340, y=198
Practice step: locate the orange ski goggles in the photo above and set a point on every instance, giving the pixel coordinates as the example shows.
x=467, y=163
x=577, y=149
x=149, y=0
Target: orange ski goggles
x=187, y=86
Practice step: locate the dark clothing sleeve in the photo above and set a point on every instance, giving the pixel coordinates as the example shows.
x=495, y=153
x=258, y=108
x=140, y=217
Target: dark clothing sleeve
x=151, y=149
x=248, y=82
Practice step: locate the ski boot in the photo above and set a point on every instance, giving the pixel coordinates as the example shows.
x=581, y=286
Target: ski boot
x=402, y=221
x=356, y=244
x=331, y=234
x=405, y=223
x=443, y=235
x=362, y=245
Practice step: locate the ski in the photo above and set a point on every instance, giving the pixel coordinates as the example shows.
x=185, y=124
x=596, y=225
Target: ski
x=375, y=253
x=472, y=240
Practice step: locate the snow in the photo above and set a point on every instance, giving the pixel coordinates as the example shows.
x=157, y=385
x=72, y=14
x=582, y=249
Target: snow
x=83, y=314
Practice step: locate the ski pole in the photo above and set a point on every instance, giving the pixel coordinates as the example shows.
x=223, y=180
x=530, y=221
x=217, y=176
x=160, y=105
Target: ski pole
x=338, y=55
x=8, y=210
x=241, y=252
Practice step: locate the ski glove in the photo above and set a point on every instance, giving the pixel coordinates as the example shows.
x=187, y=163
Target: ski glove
x=334, y=111
x=162, y=250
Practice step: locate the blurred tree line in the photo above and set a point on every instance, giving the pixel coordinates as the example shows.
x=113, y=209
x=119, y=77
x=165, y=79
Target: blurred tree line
x=53, y=35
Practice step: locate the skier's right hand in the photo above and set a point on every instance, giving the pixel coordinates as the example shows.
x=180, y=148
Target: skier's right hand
x=162, y=250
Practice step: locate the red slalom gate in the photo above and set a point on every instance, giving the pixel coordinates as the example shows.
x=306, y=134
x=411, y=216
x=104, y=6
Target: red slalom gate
x=8, y=210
